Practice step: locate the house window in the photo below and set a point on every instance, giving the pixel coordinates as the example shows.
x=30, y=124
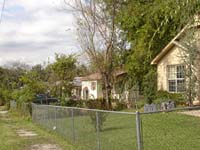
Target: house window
x=176, y=78
x=93, y=85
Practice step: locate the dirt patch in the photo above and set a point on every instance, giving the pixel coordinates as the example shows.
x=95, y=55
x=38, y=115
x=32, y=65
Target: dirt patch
x=45, y=147
x=3, y=112
x=195, y=113
x=4, y=115
x=25, y=133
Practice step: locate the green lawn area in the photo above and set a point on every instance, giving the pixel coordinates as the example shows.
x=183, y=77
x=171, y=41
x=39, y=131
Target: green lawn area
x=166, y=131
x=171, y=131
x=11, y=123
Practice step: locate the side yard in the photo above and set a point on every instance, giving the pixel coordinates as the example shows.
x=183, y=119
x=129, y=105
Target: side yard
x=20, y=134
x=166, y=131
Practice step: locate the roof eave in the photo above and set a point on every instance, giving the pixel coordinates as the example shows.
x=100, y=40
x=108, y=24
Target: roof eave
x=167, y=48
x=162, y=54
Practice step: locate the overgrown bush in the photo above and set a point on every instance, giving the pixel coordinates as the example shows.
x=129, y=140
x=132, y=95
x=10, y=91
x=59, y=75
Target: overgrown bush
x=5, y=97
x=97, y=104
x=72, y=103
x=101, y=119
x=23, y=97
x=163, y=96
x=150, y=86
x=141, y=103
x=24, y=109
x=118, y=105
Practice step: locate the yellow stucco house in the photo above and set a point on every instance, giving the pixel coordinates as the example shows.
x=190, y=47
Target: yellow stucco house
x=171, y=65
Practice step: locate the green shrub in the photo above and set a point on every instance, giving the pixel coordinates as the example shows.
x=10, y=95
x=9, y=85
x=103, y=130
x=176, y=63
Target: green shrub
x=23, y=95
x=97, y=104
x=149, y=85
x=118, y=105
x=72, y=103
x=5, y=97
x=102, y=118
x=163, y=96
x=141, y=103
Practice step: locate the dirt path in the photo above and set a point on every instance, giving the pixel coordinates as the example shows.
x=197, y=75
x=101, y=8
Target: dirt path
x=45, y=147
x=3, y=112
x=195, y=113
x=24, y=135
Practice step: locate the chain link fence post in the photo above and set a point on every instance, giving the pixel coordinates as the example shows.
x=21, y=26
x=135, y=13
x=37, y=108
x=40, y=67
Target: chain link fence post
x=33, y=116
x=73, y=129
x=44, y=116
x=138, y=131
x=55, y=118
x=97, y=130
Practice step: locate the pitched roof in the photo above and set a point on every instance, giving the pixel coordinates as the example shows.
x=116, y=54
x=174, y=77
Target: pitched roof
x=169, y=46
x=174, y=42
x=94, y=76
x=98, y=76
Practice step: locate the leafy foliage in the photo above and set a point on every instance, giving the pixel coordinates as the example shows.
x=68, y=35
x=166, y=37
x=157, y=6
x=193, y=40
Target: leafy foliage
x=23, y=83
x=148, y=26
x=62, y=73
x=163, y=96
x=149, y=85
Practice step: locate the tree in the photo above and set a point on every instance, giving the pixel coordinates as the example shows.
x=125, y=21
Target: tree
x=149, y=86
x=148, y=26
x=97, y=34
x=62, y=73
x=10, y=80
x=189, y=43
x=82, y=70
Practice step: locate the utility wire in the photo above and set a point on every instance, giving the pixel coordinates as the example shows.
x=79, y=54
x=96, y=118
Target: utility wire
x=2, y=10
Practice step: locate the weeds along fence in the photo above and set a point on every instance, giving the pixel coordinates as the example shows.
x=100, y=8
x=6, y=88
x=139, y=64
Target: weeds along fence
x=23, y=108
x=88, y=129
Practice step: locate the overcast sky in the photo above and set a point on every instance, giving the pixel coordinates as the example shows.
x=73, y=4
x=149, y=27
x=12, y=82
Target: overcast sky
x=33, y=30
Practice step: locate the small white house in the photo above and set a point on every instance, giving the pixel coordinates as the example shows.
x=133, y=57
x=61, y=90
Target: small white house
x=91, y=87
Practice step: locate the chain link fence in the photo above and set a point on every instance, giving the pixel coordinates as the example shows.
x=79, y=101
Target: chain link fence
x=23, y=108
x=89, y=129
x=176, y=129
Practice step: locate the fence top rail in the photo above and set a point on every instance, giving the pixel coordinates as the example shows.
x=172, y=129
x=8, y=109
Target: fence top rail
x=122, y=112
x=87, y=109
x=172, y=110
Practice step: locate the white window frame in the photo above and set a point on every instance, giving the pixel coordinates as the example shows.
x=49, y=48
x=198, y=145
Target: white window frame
x=175, y=79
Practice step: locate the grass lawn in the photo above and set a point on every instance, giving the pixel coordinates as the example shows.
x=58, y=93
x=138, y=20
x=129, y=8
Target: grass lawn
x=164, y=131
x=9, y=125
x=171, y=131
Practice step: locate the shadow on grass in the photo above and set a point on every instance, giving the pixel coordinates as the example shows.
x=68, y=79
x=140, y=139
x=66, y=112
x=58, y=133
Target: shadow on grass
x=114, y=128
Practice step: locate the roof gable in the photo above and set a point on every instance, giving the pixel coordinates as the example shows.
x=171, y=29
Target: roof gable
x=169, y=46
x=174, y=41
x=94, y=76
x=98, y=76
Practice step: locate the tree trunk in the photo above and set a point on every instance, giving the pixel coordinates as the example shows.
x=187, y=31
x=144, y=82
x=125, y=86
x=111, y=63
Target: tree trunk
x=108, y=90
